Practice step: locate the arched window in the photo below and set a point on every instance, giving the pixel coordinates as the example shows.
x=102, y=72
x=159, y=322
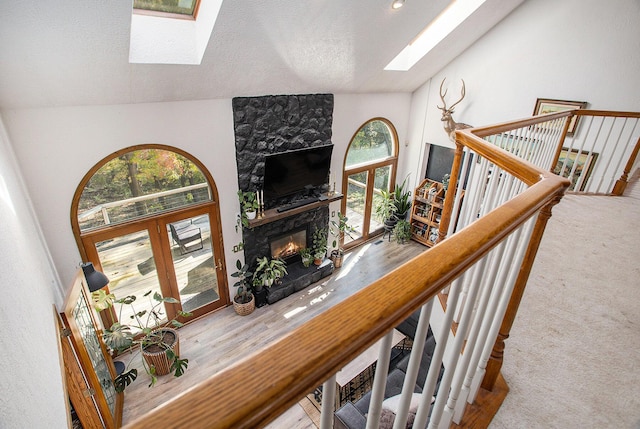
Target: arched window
x=147, y=217
x=370, y=166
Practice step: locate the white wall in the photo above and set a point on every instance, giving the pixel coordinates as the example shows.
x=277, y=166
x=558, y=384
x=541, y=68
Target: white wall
x=31, y=381
x=582, y=50
x=56, y=147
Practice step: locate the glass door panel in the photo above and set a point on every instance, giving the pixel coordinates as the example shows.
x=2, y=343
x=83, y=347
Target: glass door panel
x=381, y=182
x=355, y=202
x=128, y=262
x=193, y=261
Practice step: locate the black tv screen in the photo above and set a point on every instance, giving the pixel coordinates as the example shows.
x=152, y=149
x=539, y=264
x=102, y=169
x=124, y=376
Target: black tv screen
x=296, y=171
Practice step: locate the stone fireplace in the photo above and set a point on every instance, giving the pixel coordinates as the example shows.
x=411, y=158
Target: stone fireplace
x=272, y=124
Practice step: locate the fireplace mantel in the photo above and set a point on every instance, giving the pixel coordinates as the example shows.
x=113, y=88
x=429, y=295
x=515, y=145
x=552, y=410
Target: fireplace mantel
x=273, y=215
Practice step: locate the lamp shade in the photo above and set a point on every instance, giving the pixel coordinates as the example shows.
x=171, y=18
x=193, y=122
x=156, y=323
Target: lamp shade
x=95, y=279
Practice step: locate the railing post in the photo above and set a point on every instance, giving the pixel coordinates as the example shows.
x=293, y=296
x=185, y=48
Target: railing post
x=450, y=195
x=494, y=365
x=621, y=183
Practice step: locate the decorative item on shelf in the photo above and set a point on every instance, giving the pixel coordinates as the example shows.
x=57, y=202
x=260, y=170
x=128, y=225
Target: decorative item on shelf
x=248, y=206
x=269, y=271
x=450, y=126
x=340, y=229
x=402, y=231
x=432, y=193
x=306, y=256
x=158, y=341
x=433, y=234
x=319, y=249
x=243, y=302
x=260, y=198
x=445, y=182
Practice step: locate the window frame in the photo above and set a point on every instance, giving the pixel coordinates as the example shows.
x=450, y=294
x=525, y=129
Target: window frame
x=369, y=167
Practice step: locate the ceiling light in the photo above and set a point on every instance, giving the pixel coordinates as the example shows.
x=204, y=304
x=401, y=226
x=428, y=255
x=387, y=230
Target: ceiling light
x=397, y=4
x=434, y=33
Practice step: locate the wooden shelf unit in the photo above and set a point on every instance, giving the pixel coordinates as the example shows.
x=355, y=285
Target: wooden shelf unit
x=426, y=211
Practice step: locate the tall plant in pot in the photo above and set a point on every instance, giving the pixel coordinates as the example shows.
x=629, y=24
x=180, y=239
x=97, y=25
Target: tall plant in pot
x=402, y=200
x=155, y=338
x=385, y=210
x=269, y=270
x=339, y=229
x=243, y=302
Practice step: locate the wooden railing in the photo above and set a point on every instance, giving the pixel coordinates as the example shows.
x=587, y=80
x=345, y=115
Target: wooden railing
x=482, y=265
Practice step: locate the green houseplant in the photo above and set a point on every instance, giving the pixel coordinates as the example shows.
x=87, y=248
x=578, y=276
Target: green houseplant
x=269, y=270
x=319, y=249
x=248, y=206
x=307, y=257
x=156, y=340
x=402, y=200
x=243, y=302
x=402, y=231
x=339, y=229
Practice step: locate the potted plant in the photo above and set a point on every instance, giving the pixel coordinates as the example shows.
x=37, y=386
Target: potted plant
x=248, y=206
x=402, y=231
x=269, y=271
x=385, y=210
x=319, y=249
x=401, y=200
x=157, y=341
x=339, y=229
x=307, y=257
x=244, y=302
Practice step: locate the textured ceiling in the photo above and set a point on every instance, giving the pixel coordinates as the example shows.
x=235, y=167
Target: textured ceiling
x=75, y=52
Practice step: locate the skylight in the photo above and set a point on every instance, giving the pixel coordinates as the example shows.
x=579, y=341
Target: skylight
x=156, y=38
x=434, y=33
x=180, y=7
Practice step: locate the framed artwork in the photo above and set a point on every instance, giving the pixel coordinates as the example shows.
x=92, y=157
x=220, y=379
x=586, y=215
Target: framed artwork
x=585, y=162
x=547, y=105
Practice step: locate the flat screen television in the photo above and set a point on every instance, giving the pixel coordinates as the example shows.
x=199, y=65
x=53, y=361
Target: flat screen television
x=301, y=171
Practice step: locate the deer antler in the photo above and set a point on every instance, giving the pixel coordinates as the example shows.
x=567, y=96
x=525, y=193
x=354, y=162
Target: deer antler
x=442, y=95
x=463, y=93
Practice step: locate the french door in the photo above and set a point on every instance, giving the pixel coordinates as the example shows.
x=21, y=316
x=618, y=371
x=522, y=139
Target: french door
x=144, y=256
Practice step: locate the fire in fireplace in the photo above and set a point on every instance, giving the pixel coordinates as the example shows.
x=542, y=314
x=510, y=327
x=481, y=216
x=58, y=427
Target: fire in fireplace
x=288, y=245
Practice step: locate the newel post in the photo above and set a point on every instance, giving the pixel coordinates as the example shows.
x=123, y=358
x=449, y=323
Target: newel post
x=621, y=183
x=494, y=365
x=450, y=195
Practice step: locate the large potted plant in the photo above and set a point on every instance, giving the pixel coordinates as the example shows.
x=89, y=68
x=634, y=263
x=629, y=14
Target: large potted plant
x=157, y=341
x=339, y=229
x=269, y=270
x=402, y=200
x=243, y=302
x=385, y=210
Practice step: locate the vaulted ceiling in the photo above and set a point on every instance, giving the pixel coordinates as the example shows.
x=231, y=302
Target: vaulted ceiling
x=76, y=52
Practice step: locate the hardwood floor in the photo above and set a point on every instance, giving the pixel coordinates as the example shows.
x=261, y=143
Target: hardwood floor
x=214, y=342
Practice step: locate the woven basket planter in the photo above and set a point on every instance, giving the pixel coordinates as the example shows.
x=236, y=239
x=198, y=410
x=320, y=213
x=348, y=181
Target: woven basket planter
x=244, y=309
x=157, y=357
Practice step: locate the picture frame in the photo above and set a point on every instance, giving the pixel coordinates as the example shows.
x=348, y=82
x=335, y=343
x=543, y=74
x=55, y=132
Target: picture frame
x=586, y=162
x=549, y=105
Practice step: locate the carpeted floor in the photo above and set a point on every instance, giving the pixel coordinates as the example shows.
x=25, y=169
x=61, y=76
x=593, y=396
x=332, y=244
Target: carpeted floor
x=573, y=357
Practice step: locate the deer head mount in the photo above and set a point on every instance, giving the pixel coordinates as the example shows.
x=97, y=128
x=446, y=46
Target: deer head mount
x=450, y=126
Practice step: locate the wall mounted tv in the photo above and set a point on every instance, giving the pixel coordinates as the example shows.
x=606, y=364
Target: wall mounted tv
x=302, y=172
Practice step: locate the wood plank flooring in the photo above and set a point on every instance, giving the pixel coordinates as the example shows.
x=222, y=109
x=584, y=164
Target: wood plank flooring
x=214, y=342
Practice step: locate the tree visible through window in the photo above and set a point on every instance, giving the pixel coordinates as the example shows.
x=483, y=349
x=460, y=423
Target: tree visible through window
x=140, y=183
